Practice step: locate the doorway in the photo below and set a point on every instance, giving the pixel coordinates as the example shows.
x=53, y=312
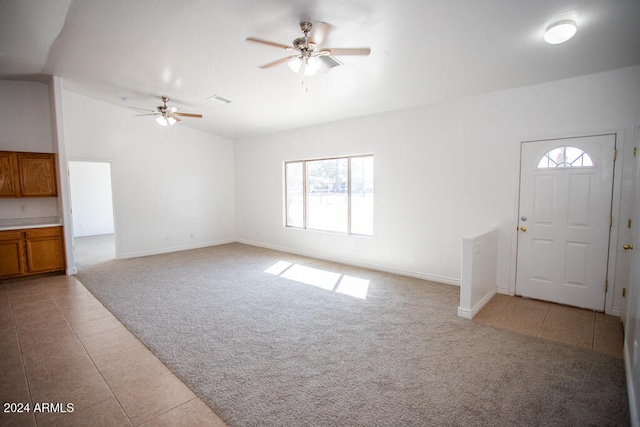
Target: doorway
x=566, y=188
x=92, y=212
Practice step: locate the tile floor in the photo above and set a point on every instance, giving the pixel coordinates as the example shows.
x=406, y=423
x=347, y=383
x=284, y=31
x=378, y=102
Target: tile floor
x=58, y=344
x=574, y=326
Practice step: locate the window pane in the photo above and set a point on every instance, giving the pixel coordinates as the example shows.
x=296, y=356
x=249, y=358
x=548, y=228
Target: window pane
x=565, y=157
x=362, y=195
x=327, y=195
x=295, y=196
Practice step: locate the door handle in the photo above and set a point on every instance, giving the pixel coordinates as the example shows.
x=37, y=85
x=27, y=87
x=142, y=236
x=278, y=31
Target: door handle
x=523, y=228
x=627, y=247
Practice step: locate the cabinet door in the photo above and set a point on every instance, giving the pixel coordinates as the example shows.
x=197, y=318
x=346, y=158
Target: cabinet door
x=11, y=254
x=37, y=175
x=45, y=249
x=8, y=175
x=45, y=254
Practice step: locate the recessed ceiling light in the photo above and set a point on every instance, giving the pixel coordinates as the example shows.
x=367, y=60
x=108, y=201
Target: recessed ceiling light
x=560, y=32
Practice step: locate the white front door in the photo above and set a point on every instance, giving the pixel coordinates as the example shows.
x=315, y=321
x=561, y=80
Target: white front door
x=564, y=220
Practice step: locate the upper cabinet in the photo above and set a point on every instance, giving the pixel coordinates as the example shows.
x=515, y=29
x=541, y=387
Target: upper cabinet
x=8, y=175
x=28, y=174
x=37, y=175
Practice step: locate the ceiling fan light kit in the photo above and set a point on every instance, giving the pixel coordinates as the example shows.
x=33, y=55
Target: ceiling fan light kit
x=166, y=121
x=309, y=66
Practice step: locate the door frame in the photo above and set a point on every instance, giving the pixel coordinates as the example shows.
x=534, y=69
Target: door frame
x=615, y=212
x=71, y=236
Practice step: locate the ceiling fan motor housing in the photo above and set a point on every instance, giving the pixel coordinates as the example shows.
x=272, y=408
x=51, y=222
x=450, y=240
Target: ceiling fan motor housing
x=303, y=43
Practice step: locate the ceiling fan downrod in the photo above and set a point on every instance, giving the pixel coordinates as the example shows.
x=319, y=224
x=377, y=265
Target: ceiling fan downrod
x=302, y=43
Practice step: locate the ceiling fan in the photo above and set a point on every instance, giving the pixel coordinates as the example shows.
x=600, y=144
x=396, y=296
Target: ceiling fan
x=166, y=116
x=308, y=53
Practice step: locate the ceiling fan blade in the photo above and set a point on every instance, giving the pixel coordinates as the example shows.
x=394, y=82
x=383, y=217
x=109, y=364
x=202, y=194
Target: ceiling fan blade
x=148, y=114
x=278, y=62
x=345, y=51
x=173, y=116
x=141, y=109
x=321, y=31
x=197, y=116
x=268, y=43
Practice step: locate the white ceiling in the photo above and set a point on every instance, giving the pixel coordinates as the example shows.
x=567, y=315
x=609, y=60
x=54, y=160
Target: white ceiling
x=129, y=53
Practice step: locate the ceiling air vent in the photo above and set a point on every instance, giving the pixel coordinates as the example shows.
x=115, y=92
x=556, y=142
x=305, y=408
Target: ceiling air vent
x=329, y=61
x=218, y=99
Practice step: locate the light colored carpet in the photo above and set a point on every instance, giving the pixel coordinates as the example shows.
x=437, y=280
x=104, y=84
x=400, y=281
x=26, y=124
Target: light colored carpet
x=262, y=349
x=94, y=250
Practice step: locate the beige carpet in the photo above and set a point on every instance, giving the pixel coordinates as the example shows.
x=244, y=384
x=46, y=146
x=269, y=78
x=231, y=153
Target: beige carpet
x=272, y=339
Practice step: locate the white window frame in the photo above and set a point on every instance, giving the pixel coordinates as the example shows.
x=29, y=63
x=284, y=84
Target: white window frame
x=305, y=192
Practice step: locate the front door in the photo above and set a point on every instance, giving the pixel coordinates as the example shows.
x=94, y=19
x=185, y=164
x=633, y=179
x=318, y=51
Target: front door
x=564, y=220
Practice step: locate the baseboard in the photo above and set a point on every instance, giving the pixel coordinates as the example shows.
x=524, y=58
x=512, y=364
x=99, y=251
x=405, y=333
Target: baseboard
x=634, y=410
x=377, y=267
x=503, y=290
x=71, y=271
x=465, y=313
x=469, y=313
x=174, y=249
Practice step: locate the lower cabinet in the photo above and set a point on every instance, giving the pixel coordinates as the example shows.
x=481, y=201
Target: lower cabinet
x=31, y=251
x=11, y=250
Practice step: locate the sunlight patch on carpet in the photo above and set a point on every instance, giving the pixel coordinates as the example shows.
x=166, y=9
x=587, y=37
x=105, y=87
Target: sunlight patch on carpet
x=323, y=279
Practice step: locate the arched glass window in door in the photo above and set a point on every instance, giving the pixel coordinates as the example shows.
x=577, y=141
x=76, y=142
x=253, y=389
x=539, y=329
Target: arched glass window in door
x=565, y=157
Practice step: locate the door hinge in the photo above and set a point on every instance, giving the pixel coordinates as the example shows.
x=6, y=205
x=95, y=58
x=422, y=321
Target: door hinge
x=635, y=151
x=629, y=223
x=615, y=154
x=610, y=221
x=624, y=292
x=606, y=286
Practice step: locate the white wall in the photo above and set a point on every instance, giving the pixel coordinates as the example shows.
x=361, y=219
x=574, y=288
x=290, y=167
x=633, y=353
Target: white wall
x=25, y=117
x=25, y=125
x=172, y=188
x=441, y=172
x=91, y=198
x=478, y=272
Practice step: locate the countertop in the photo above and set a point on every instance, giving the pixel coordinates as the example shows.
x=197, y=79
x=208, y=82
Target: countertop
x=23, y=227
x=26, y=223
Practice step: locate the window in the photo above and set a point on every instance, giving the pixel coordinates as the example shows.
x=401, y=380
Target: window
x=333, y=194
x=565, y=157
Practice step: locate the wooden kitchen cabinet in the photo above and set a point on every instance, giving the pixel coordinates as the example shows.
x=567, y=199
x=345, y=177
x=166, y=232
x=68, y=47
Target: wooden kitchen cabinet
x=11, y=244
x=44, y=249
x=9, y=175
x=37, y=175
x=31, y=251
x=28, y=174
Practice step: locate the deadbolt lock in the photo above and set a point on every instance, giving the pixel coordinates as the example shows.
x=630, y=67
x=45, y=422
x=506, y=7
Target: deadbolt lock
x=523, y=228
